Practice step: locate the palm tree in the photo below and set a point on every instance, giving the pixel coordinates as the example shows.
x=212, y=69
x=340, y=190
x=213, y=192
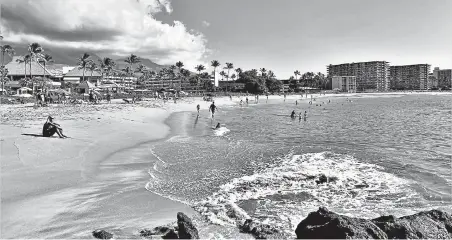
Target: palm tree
x=238, y=71
x=233, y=76
x=25, y=59
x=106, y=65
x=46, y=58
x=179, y=65
x=199, y=68
x=92, y=66
x=132, y=59
x=229, y=66
x=8, y=50
x=83, y=63
x=263, y=71
x=35, y=50
x=222, y=74
x=215, y=64
x=271, y=74
x=296, y=73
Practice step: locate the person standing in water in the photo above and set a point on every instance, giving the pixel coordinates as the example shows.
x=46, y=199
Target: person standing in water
x=296, y=102
x=292, y=115
x=212, y=109
x=241, y=102
x=197, y=108
x=246, y=100
x=305, y=116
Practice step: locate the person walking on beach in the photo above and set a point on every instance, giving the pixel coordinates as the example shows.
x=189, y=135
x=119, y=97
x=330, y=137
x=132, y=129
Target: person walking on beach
x=212, y=109
x=246, y=100
x=197, y=108
x=108, y=97
x=296, y=102
x=241, y=102
x=50, y=128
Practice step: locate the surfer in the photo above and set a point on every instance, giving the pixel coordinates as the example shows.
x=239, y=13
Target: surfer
x=292, y=115
x=197, y=108
x=212, y=109
x=50, y=128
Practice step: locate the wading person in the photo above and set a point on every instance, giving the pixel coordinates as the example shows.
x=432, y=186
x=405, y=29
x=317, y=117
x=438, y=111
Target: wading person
x=212, y=109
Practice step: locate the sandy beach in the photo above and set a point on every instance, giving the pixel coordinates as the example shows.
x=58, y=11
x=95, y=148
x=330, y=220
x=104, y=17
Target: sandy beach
x=48, y=179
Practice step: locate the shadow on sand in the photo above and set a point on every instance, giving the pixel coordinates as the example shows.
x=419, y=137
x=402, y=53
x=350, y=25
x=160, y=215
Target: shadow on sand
x=32, y=135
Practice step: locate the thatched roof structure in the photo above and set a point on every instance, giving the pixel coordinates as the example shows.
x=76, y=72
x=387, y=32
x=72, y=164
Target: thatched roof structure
x=18, y=69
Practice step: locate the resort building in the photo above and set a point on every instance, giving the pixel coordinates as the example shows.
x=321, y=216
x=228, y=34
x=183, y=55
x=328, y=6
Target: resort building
x=344, y=83
x=75, y=76
x=370, y=76
x=432, y=82
x=17, y=70
x=412, y=77
x=444, y=77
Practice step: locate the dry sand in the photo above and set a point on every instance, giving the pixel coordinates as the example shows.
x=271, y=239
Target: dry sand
x=65, y=188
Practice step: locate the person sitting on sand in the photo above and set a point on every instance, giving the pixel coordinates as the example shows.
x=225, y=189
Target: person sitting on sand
x=50, y=128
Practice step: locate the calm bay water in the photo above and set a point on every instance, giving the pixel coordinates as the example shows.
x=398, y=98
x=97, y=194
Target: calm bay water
x=386, y=154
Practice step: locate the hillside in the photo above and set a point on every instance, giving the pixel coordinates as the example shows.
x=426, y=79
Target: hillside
x=70, y=56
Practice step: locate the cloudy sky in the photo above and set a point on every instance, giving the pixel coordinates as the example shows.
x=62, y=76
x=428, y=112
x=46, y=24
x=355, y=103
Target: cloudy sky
x=283, y=36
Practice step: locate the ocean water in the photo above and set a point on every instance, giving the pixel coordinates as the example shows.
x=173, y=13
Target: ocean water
x=382, y=154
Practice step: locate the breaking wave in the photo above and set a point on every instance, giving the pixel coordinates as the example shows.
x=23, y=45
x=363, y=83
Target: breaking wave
x=285, y=193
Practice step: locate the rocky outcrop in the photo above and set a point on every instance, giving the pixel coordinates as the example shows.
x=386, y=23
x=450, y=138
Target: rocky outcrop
x=185, y=230
x=163, y=231
x=329, y=225
x=261, y=231
x=102, y=234
x=430, y=224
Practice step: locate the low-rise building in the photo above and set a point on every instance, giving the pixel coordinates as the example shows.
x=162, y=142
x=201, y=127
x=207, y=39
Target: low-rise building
x=344, y=83
x=17, y=70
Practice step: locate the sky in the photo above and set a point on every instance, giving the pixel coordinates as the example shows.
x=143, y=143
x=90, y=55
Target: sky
x=282, y=36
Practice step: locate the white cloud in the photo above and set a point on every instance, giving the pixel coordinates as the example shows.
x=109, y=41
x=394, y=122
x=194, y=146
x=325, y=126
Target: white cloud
x=120, y=27
x=205, y=23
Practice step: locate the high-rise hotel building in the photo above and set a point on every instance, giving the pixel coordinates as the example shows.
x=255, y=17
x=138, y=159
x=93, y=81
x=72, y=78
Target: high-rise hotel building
x=412, y=77
x=373, y=76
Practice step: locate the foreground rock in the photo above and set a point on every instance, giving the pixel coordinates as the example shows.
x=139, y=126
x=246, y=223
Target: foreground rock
x=261, y=231
x=185, y=230
x=329, y=225
x=102, y=234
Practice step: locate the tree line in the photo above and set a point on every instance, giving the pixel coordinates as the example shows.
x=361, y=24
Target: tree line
x=255, y=81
